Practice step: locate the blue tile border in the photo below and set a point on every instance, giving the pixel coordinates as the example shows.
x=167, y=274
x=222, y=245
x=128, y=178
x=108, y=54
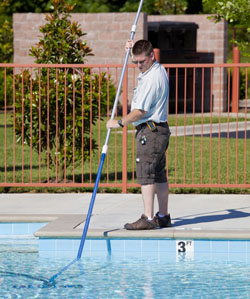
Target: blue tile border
x=20, y=228
x=148, y=248
x=140, y=247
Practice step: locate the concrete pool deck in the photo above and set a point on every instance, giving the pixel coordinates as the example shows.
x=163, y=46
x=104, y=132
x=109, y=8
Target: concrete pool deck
x=194, y=216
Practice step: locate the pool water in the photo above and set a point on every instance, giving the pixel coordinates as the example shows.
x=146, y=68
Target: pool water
x=124, y=269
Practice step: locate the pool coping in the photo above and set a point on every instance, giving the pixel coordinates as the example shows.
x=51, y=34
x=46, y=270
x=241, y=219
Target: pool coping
x=66, y=226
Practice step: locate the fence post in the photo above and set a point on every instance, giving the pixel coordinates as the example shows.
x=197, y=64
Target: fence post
x=235, y=81
x=124, y=133
x=157, y=54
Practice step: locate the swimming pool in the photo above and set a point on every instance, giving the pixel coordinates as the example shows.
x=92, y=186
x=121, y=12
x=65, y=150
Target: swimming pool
x=123, y=268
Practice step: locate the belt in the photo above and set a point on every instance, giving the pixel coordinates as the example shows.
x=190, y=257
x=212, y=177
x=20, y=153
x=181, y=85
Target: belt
x=143, y=125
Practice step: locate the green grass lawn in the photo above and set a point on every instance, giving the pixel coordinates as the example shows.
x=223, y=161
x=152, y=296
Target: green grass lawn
x=190, y=165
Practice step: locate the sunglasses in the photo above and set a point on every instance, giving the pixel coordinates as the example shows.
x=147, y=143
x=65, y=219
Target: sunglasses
x=139, y=61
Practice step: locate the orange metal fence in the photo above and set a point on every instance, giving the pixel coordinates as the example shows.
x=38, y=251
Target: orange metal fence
x=52, y=126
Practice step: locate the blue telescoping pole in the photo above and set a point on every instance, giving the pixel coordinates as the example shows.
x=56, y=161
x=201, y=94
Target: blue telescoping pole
x=105, y=147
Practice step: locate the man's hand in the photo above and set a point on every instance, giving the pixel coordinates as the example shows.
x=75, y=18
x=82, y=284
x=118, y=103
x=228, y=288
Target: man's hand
x=133, y=116
x=112, y=124
x=129, y=45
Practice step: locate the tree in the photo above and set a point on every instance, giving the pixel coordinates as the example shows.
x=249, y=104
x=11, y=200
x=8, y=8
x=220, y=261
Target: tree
x=96, y=6
x=9, y=7
x=171, y=6
x=152, y=7
x=132, y=6
x=6, y=36
x=6, y=53
x=236, y=13
x=61, y=43
x=194, y=7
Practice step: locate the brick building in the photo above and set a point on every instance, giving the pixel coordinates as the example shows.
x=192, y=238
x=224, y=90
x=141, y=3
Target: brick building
x=191, y=39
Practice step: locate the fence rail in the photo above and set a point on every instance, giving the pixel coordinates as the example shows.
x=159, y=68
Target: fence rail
x=52, y=126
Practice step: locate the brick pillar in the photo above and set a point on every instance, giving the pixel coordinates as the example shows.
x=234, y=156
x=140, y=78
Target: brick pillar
x=235, y=81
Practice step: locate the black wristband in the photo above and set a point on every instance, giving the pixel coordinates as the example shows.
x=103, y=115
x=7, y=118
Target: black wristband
x=120, y=123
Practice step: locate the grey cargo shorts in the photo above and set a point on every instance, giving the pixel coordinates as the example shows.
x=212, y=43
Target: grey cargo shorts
x=151, y=154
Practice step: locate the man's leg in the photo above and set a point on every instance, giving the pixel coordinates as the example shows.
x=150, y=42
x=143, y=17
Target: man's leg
x=162, y=196
x=147, y=220
x=148, y=194
x=162, y=217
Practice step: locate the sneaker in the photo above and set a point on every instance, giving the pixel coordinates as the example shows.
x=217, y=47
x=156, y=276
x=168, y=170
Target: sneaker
x=142, y=223
x=163, y=221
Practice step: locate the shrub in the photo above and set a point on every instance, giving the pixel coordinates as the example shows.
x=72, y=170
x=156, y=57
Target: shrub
x=52, y=90
x=6, y=52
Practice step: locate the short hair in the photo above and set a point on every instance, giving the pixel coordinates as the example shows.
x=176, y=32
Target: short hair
x=142, y=46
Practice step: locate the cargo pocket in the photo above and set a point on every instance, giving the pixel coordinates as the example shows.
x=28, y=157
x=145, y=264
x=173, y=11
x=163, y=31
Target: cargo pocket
x=144, y=169
x=162, y=142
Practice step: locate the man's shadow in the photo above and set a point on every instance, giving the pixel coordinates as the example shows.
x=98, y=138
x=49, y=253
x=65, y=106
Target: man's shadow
x=232, y=214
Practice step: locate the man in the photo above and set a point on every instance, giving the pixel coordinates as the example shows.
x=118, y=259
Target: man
x=149, y=116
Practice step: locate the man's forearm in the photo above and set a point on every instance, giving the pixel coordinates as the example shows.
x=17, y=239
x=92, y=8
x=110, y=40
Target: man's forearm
x=133, y=116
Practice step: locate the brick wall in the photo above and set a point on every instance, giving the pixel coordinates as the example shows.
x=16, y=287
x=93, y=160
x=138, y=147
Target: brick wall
x=107, y=33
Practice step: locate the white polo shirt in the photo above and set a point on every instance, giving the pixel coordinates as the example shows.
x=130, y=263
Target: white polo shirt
x=151, y=94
